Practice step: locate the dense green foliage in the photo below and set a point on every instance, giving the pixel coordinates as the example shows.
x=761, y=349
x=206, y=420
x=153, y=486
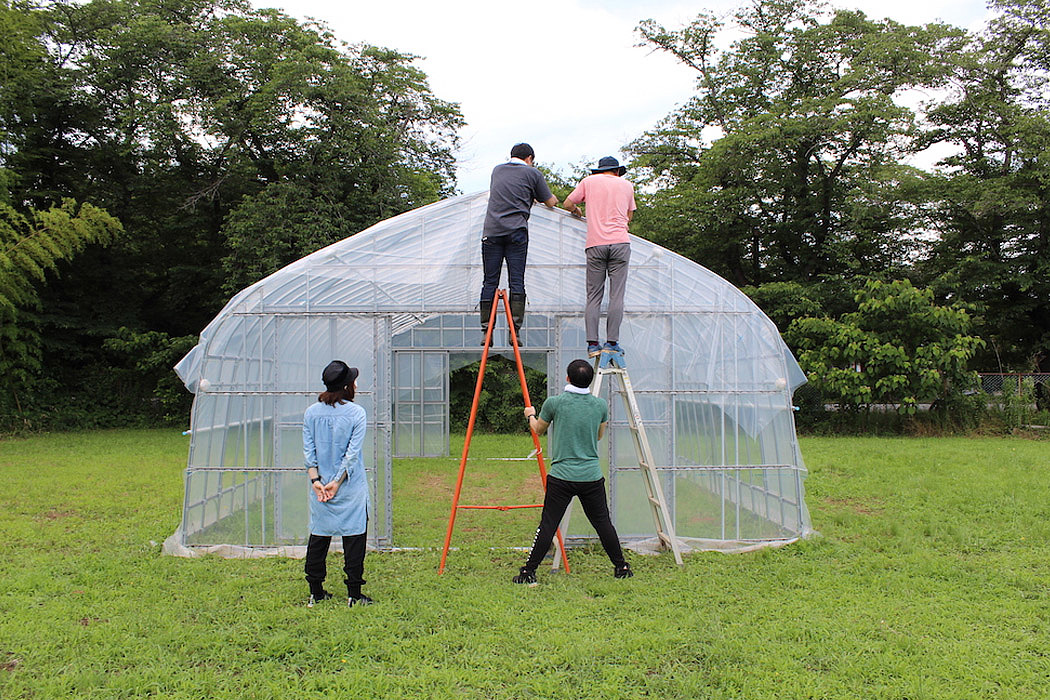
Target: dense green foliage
x=898, y=347
x=786, y=163
x=928, y=581
x=227, y=141
x=992, y=198
x=787, y=166
x=500, y=403
x=31, y=246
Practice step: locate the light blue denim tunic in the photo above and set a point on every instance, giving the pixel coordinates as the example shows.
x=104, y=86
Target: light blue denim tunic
x=332, y=440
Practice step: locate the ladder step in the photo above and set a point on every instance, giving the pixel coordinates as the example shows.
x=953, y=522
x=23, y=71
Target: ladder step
x=654, y=501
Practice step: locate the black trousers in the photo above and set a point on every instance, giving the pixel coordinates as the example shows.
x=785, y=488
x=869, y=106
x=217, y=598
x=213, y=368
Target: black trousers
x=595, y=507
x=514, y=248
x=353, y=562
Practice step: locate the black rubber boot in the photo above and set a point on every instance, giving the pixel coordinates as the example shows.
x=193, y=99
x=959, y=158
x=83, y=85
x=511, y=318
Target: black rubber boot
x=517, y=313
x=486, y=312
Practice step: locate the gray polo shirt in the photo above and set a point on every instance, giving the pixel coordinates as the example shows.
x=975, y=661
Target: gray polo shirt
x=512, y=191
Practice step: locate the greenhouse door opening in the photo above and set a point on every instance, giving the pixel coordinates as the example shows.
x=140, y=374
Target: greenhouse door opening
x=433, y=370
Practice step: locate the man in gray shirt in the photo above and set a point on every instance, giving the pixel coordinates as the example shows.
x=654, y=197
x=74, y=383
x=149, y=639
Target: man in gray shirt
x=515, y=185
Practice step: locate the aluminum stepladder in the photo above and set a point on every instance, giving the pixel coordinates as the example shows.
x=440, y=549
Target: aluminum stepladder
x=613, y=364
x=500, y=297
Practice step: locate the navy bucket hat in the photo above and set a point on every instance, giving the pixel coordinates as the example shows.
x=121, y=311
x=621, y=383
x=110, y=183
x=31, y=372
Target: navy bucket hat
x=609, y=163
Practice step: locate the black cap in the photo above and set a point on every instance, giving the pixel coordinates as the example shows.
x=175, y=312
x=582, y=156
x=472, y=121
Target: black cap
x=609, y=163
x=338, y=375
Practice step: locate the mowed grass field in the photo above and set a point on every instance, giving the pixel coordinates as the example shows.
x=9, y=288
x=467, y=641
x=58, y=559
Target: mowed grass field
x=930, y=579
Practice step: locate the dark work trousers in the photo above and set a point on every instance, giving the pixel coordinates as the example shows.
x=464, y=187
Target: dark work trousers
x=595, y=507
x=513, y=248
x=353, y=562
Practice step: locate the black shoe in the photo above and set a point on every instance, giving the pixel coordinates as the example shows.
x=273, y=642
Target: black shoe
x=525, y=576
x=315, y=599
x=359, y=600
x=623, y=571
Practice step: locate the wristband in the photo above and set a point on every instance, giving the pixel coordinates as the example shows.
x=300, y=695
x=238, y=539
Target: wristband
x=315, y=479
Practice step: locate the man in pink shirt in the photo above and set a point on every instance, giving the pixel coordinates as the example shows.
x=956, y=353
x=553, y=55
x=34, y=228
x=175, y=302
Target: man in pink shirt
x=610, y=205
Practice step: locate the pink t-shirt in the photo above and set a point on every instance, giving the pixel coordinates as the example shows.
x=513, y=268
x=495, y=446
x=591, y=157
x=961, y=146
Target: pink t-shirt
x=608, y=198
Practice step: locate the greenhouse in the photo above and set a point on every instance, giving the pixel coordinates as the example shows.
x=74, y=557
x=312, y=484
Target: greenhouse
x=712, y=376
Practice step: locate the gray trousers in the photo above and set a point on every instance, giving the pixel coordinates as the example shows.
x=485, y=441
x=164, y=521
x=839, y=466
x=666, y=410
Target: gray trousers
x=606, y=261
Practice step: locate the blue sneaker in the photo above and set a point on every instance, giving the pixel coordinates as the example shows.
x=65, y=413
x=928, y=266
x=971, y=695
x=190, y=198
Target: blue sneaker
x=613, y=347
x=593, y=349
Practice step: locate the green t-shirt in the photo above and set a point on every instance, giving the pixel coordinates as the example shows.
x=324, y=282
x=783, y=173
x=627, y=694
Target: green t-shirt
x=574, y=420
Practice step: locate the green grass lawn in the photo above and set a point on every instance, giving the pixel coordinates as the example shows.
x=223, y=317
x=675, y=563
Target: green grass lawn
x=931, y=579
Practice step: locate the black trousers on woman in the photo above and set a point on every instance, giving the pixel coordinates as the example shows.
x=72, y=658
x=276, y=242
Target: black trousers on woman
x=353, y=563
x=595, y=507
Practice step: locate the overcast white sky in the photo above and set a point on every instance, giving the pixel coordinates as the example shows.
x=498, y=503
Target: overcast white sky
x=563, y=75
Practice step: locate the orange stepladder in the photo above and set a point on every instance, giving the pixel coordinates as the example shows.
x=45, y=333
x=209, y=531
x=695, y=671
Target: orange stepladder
x=499, y=299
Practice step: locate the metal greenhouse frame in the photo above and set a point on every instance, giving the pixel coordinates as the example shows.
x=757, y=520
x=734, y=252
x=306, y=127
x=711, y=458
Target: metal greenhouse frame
x=714, y=382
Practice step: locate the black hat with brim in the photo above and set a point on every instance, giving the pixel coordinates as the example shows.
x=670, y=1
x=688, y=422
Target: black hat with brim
x=338, y=375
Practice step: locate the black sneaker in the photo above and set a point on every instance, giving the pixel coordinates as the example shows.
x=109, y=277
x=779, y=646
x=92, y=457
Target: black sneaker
x=623, y=571
x=359, y=600
x=525, y=576
x=315, y=599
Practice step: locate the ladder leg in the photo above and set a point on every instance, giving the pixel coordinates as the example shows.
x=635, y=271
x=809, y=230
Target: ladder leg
x=657, y=500
x=559, y=545
x=470, y=432
x=535, y=438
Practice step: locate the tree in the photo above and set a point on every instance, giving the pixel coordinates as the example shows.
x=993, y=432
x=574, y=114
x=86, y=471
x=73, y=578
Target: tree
x=898, y=347
x=784, y=165
x=31, y=246
x=784, y=302
x=228, y=142
x=993, y=193
x=172, y=114
x=352, y=172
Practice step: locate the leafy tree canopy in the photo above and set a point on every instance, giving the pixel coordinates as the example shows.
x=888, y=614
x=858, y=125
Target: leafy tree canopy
x=898, y=347
x=993, y=195
x=227, y=141
x=784, y=165
x=31, y=245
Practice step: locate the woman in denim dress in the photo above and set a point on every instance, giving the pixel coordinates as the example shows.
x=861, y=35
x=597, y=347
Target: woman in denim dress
x=333, y=434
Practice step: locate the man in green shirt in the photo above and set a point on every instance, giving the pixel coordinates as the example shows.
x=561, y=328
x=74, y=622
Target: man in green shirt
x=578, y=421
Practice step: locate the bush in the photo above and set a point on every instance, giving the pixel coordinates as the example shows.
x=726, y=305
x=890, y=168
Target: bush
x=128, y=382
x=500, y=404
x=898, y=348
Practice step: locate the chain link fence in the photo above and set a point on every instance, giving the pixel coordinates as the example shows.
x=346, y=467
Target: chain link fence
x=1011, y=382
